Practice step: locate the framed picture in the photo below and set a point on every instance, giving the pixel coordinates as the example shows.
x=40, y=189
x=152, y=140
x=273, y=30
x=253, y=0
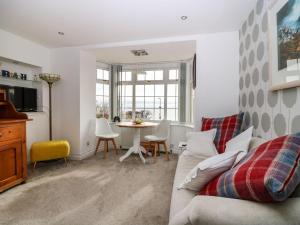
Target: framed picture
x=284, y=38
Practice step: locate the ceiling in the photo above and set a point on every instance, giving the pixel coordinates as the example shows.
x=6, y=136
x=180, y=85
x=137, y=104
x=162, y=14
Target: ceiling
x=104, y=21
x=167, y=52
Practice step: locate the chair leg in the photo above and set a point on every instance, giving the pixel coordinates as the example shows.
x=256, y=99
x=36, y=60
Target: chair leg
x=166, y=150
x=66, y=161
x=155, y=150
x=98, y=144
x=105, y=148
x=115, y=146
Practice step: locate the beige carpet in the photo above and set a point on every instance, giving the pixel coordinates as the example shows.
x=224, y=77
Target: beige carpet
x=92, y=192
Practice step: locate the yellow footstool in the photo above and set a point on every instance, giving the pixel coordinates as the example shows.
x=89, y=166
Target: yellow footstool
x=48, y=150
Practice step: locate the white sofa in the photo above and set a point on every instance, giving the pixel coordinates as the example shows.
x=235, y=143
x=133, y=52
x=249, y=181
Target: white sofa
x=188, y=208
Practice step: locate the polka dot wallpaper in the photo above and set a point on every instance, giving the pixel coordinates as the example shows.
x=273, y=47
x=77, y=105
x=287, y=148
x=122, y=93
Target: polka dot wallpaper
x=271, y=113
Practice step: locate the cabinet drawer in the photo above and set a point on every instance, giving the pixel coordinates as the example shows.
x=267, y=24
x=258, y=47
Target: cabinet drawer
x=10, y=132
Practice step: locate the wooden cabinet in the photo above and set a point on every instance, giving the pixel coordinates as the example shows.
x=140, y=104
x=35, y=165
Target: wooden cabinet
x=13, y=154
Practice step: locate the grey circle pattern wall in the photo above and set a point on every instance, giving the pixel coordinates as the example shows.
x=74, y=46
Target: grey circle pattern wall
x=271, y=113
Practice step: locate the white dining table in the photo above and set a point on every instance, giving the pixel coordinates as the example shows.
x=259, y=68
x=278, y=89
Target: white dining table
x=136, y=148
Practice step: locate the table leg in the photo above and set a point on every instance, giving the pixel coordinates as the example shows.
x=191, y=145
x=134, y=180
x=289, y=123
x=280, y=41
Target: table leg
x=136, y=148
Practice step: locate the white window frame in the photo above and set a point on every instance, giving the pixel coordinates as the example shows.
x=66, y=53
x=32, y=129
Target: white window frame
x=107, y=82
x=165, y=82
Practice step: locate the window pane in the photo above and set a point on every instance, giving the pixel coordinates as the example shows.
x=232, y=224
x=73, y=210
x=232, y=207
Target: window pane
x=127, y=102
x=100, y=74
x=171, y=102
x=105, y=102
x=139, y=90
x=99, y=89
x=99, y=101
x=127, y=114
x=172, y=90
x=149, y=90
x=149, y=75
x=158, y=114
x=106, y=89
x=105, y=75
x=171, y=114
x=145, y=113
x=149, y=102
x=128, y=90
x=159, y=102
x=141, y=77
x=139, y=102
x=123, y=76
x=128, y=76
x=173, y=74
x=159, y=75
x=159, y=90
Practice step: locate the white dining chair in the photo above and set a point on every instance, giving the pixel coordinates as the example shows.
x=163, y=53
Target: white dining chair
x=104, y=133
x=160, y=136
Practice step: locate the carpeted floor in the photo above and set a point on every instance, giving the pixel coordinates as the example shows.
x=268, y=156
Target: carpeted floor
x=92, y=192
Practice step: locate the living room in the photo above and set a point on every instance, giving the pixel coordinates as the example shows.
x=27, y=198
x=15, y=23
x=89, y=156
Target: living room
x=138, y=113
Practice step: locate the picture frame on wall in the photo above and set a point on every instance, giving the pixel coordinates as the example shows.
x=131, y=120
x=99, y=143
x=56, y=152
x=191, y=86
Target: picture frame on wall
x=284, y=43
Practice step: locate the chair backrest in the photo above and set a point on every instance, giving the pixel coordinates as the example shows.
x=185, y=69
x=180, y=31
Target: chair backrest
x=163, y=129
x=102, y=127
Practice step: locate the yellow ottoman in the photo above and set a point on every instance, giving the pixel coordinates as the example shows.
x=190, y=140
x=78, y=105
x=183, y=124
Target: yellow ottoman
x=47, y=150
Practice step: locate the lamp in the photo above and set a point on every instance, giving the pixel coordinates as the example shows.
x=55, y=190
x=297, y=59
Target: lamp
x=50, y=79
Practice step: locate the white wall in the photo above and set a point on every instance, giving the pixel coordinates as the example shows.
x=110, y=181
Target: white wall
x=66, y=95
x=20, y=49
x=217, y=89
x=87, y=103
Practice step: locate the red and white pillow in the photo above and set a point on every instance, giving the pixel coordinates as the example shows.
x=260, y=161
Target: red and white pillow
x=269, y=173
x=227, y=128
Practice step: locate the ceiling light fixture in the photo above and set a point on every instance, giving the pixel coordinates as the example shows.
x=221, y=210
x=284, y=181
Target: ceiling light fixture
x=183, y=17
x=140, y=52
x=61, y=33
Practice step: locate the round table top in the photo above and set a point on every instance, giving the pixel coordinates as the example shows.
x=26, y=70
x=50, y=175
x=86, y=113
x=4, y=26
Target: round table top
x=134, y=125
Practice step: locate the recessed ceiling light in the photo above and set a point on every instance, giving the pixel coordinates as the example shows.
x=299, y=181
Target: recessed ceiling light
x=183, y=17
x=61, y=33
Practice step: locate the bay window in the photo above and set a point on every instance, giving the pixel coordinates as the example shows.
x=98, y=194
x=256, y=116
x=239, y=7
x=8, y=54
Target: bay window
x=102, y=93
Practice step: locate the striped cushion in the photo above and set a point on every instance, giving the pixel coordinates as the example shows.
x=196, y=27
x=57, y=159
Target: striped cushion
x=227, y=128
x=269, y=173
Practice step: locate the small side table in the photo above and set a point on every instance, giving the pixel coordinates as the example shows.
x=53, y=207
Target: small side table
x=182, y=146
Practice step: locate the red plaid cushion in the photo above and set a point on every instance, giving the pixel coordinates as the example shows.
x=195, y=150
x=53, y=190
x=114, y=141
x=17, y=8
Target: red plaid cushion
x=269, y=173
x=227, y=128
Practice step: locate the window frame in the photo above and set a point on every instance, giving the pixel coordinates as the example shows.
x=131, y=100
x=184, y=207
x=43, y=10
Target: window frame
x=165, y=81
x=103, y=82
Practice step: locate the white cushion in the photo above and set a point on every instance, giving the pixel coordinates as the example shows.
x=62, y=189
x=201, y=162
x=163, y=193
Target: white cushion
x=206, y=170
x=154, y=138
x=113, y=135
x=240, y=143
x=201, y=143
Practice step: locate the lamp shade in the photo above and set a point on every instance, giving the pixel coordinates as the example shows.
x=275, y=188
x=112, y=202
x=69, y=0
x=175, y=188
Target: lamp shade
x=49, y=78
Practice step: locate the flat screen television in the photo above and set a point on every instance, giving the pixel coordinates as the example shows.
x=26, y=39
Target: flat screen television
x=24, y=99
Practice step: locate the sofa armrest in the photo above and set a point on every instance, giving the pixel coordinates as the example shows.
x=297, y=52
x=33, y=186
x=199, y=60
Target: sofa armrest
x=210, y=210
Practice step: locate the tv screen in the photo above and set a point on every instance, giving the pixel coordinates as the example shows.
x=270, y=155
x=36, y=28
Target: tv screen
x=29, y=100
x=24, y=99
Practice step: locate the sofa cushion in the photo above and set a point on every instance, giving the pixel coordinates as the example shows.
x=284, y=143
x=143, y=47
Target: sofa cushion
x=227, y=128
x=201, y=143
x=207, y=169
x=210, y=210
x=269, y=173
x=181, y=198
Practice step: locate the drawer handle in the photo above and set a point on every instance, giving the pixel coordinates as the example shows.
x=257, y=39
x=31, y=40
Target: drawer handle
x=9, y=131
x=0, y=134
